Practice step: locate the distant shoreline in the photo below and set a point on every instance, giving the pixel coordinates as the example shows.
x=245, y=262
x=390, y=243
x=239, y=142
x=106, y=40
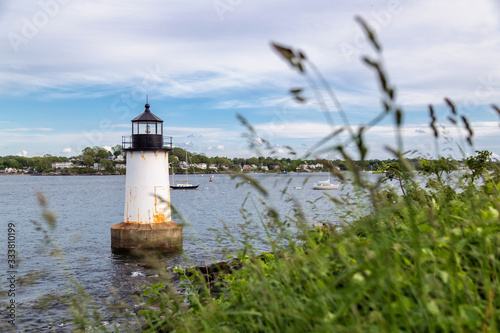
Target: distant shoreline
x=46, y=174
x=112, y=174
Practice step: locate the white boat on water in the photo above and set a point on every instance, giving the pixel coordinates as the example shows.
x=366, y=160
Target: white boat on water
x=175, y=183
x=184, y=186
x=325, y=185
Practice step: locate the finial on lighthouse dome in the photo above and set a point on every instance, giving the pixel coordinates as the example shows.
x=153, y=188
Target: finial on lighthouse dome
x=147, y=108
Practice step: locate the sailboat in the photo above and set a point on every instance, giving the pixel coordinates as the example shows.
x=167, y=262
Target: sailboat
x=325, y=185
x=183, y=186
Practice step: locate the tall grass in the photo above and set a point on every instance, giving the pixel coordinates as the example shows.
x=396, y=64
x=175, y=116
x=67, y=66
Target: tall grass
x=427, y=261
x=423, y=260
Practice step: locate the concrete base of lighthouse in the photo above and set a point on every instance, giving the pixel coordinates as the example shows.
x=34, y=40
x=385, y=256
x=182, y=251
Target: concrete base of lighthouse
x=158, y=237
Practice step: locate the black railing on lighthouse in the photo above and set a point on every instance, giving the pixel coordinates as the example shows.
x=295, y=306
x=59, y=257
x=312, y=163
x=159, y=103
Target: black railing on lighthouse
x=147, y=142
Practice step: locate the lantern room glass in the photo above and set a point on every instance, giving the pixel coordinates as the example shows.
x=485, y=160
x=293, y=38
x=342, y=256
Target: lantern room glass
x=152, y=128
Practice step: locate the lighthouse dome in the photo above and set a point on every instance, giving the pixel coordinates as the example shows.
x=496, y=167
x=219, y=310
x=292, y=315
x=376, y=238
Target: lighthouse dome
x=147, y=133
x=147, y=115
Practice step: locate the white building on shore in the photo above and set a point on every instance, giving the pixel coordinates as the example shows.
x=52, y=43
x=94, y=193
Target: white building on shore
x=62, y=165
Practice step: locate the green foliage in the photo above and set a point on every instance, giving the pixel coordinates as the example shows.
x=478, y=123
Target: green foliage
x=395, y=171
x=416, y=265
x=117, y=150
x=87, y=160
x=98, y=152
x=107, y=165
x=478, y=165
x=437, y=168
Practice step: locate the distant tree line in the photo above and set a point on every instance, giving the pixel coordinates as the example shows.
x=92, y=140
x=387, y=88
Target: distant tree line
x=109, y=159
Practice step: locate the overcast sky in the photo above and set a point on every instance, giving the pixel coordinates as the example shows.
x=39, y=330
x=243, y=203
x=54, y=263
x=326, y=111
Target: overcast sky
x=74, y=73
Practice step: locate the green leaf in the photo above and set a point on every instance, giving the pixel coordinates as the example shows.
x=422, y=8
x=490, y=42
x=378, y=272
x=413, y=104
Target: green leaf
x=432, y=308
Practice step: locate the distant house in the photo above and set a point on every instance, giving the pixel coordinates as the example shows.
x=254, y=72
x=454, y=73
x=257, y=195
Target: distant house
x=120, y=158
x=62, y=165
x=120, y=166
x=247, y=167
x=213, y=167
x=98, y=166
x=303, y=167
x=202, y=166
x=264, y=168
x=183, y=165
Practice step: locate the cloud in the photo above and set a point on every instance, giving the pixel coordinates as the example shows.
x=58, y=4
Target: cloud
x=22, y=153
x=226, y=63
x=234, y=104
x=218, y=148
x=294, y=130
x=306, y=134
x=67, y=150
x=257, y=141
x=204, y=133
x=16, y=129
x=24, y=129
x=43, y=143
x=242, y=59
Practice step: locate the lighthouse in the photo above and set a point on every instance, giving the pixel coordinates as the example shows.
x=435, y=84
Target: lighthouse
x=147, y=221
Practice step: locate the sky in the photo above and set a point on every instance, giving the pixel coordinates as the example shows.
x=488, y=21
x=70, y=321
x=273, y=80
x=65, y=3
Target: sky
x=74, y=73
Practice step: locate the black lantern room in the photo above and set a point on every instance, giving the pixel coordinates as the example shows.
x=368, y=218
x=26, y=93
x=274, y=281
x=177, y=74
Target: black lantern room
x=147, y=133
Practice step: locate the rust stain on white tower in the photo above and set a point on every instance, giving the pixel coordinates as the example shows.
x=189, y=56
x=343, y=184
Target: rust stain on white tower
x=147, y=216
x=147, y=195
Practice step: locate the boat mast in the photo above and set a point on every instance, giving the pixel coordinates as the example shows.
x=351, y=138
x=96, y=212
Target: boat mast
x=187, y=166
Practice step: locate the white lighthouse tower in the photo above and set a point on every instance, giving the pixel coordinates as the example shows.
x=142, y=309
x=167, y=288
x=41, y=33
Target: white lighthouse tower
x=147, y=221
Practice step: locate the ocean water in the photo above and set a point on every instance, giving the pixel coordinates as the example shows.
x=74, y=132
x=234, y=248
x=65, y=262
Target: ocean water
x=87, y=206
